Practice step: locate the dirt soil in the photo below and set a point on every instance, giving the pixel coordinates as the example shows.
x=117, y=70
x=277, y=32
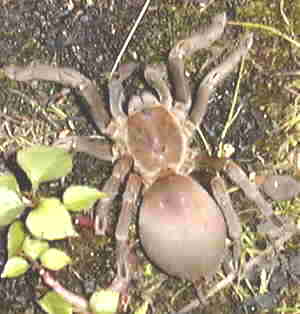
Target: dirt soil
x=87, y=36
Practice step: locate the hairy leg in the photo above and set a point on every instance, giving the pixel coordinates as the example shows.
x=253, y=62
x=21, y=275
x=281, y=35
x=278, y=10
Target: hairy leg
x=186, y=48
x=64, y=76
x=111, y=188
x=215, y=77
x=86, y=144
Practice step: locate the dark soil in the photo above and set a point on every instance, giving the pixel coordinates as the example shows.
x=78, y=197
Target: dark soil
x=88, y=37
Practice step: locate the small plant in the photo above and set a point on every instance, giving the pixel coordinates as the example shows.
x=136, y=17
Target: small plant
x=49, y=219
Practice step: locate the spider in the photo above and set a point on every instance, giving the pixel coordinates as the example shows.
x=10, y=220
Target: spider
x=181, y=227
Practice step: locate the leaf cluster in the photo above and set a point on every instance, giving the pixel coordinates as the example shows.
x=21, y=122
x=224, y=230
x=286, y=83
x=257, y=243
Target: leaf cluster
x=49, y=218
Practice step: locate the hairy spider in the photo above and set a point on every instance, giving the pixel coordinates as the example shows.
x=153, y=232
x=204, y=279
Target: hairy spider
x=181, y=227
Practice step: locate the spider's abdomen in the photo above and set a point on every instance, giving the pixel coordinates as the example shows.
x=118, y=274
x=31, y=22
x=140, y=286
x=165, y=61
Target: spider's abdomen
x=155, y=140
x=181, y=228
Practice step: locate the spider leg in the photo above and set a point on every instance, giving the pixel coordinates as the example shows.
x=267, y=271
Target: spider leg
x=239, y=177
x=111, y=188
x=280, y=187
x=185, y=48
x=116, y=91
x=215, y=77
x=65, y=76
x=124, y=254
x=94, y=147
x=231, y=217
x=154, y=76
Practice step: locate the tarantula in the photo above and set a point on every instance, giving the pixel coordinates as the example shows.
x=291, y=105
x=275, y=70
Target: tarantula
x=181, y=227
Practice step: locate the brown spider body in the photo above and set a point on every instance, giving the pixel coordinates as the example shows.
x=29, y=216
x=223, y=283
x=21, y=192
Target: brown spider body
x=177, y=213
x=179, y=221
x=175, y=207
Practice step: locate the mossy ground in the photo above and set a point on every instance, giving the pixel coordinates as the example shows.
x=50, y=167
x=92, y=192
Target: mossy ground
x=89, y=38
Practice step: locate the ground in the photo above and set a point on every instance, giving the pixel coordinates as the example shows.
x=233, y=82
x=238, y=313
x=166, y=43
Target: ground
x=88, y=35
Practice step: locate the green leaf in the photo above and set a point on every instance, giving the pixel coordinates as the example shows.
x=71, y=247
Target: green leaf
x=55, y=259
x=104, y=302
x=143, y=308
x=9, y=181
x=14, y=267
x=34, y=248
x=43, y=163
x=53, y=303
x=15, y=238
x=11, y=206
x=296, y=83
x=50, y=220
x=79, y=197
